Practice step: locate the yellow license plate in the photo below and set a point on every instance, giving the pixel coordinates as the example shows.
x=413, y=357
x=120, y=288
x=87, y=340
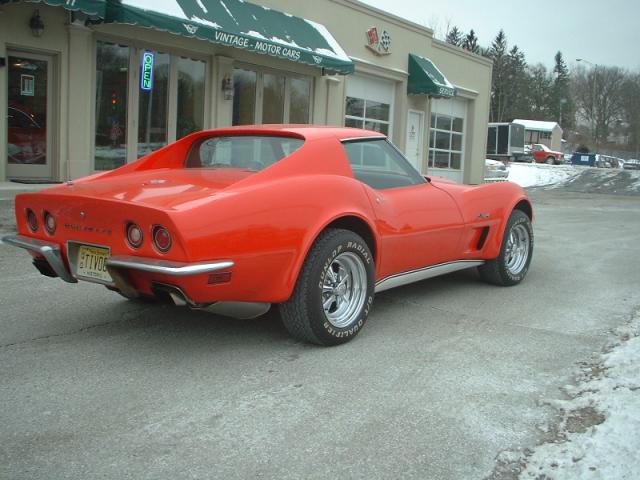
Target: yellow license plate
x=92, y=263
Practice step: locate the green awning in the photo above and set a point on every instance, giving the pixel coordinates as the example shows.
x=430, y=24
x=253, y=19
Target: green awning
x=426, y=79
x=93, y=8
x=239, y=24
x=233, y=23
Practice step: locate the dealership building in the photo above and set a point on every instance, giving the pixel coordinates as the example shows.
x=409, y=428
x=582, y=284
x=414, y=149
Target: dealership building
x=89, y=85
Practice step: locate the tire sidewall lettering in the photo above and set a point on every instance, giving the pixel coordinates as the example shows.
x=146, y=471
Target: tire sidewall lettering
x=363, y=252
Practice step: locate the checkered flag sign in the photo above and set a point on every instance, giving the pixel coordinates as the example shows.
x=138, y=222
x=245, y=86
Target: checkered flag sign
x=385, y=41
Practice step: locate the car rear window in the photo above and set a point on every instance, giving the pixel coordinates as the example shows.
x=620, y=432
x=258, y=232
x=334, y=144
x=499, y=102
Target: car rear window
x=248, y=152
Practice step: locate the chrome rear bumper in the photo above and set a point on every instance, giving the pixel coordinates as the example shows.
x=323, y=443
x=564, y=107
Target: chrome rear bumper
x=51, y=252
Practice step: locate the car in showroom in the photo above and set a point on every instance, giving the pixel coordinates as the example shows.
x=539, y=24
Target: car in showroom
x=543, y=154
x=313, y=219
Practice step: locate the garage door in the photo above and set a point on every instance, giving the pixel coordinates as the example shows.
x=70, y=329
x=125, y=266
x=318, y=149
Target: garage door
x=369, y=103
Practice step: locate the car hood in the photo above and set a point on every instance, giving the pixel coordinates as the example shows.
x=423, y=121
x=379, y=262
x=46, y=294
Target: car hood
x=162, y=188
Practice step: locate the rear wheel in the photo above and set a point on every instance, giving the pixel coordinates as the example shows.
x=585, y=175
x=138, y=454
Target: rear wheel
x=516, y=252
x=334, y=291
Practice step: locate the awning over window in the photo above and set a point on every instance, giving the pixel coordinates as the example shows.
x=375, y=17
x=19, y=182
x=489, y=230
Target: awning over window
x=426, y=79
x=239, y=24
x=93, y=8
x=234, y=23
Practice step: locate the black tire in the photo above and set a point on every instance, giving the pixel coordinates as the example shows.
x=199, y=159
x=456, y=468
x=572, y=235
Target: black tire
x=304, y=315
x=551, y=161
x=499, y=271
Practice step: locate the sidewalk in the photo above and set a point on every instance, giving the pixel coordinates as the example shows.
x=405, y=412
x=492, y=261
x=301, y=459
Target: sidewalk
x=8, y=190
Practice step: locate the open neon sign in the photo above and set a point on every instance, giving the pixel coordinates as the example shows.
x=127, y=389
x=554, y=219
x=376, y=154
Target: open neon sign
x=146, y=77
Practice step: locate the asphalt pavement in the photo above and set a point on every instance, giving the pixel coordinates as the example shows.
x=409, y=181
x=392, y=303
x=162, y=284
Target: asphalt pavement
x=447, y=374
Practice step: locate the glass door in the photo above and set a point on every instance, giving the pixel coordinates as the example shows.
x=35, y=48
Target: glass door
x=29, y=113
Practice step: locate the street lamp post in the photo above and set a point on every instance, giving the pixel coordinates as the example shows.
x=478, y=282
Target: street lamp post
x=594, y=94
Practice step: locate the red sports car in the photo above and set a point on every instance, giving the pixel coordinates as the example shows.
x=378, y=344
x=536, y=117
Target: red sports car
x=315, y=219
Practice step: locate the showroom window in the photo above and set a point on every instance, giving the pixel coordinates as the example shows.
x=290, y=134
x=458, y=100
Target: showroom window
x=112, y=72
x=145, y=99
x=269, y=97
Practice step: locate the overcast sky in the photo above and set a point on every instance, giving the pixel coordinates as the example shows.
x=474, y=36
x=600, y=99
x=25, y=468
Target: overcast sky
x=603, y=32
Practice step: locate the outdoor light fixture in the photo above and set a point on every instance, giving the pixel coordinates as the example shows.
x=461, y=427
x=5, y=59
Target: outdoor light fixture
x=36, y=24
x=227, y=87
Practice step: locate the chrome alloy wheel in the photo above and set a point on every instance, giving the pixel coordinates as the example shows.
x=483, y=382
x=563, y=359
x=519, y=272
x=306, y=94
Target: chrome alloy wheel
x=517, y=249
x=344, y=289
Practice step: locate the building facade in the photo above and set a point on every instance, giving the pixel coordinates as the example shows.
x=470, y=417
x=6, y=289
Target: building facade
x=88, y=87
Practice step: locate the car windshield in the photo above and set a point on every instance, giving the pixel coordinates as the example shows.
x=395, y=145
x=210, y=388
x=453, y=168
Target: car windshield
x=248, y=152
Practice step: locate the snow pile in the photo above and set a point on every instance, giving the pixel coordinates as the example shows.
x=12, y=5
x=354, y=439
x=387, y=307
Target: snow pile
x=536, y=175
x=599, y=434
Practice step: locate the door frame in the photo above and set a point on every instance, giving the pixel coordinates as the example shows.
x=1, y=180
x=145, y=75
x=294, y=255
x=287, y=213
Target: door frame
x=420, y=135
x=48, y=171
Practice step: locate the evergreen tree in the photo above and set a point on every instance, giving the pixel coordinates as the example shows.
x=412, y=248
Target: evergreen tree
x=540, y=93
x=470, y=42
x=516, y=86
x=454, y=36
x=497, y=53
x=562, y=106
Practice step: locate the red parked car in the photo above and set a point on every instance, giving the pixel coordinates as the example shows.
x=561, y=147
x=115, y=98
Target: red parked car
x=543, y=154
x=315, y=219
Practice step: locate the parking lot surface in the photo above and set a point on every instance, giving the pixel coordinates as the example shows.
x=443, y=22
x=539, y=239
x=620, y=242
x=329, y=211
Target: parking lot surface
x=447, y=374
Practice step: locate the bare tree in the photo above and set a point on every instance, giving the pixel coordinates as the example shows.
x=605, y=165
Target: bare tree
x=631, y=91
x=598, y=94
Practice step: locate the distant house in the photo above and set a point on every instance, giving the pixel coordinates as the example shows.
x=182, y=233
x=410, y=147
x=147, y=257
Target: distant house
x=547, y=133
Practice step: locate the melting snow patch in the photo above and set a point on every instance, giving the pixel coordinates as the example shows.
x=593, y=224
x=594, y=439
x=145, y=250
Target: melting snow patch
x=599, y=434
x=533, y=175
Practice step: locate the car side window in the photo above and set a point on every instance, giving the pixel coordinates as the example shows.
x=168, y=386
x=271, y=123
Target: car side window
x=378, y=164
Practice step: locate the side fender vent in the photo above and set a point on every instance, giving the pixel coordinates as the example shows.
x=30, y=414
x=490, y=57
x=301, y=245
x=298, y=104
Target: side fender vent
x=482, y=238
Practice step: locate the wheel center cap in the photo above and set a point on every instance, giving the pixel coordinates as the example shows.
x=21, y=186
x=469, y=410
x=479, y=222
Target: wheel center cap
x=340, y=290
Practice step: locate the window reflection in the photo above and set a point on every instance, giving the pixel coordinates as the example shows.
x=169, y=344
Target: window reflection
x=244, y=97
x=273, y=99
x=112, y=70
x=191, y=75
x=300, y=97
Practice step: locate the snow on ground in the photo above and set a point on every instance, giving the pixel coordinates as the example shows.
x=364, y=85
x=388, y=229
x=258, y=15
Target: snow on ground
x=598, y=437
x=537, y=175
x=576, y=178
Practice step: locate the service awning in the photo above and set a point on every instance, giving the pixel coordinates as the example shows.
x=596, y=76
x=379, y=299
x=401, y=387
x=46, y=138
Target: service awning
x=426, y=79
x=93, y=8
x=234, y=23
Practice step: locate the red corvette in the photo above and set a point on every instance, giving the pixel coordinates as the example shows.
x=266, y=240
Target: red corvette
x=315, y=219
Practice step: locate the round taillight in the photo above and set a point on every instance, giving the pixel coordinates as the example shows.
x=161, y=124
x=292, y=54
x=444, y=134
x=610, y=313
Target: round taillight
x=134, y=235
x=32, y=220
x=161, y=238
x=49, y=223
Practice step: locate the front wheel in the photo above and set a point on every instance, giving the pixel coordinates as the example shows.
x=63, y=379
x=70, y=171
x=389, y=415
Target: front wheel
x=516, y=252
x=334, y=292
x=551, y=161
